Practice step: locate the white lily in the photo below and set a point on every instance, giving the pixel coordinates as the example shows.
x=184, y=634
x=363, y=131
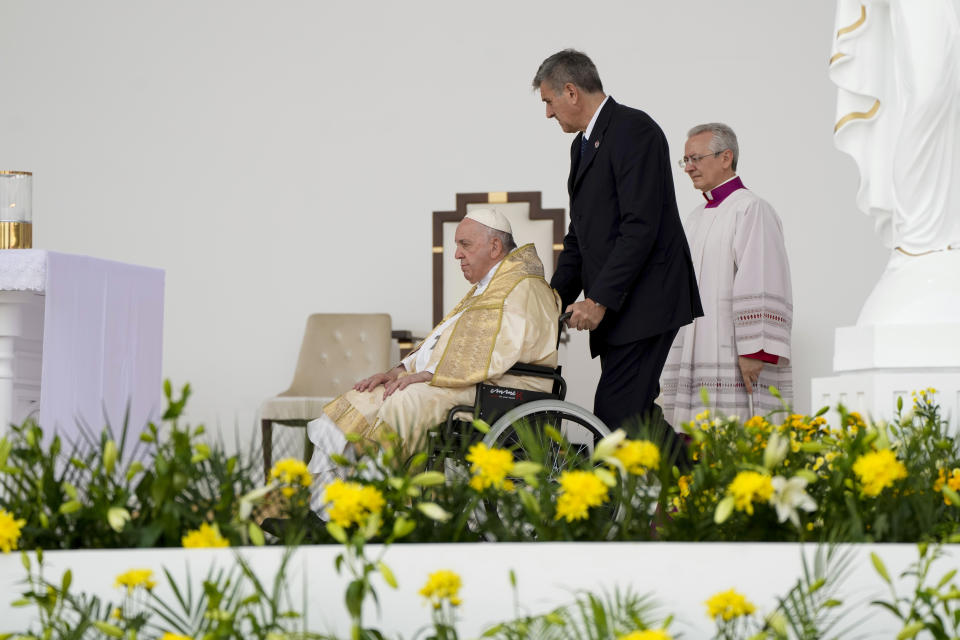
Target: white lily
x=788, y=496
x=117, y=517
x=608, y=445
x=776, y=451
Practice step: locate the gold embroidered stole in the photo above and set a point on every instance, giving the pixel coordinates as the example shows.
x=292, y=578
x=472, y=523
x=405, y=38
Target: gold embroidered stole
x=466, y=358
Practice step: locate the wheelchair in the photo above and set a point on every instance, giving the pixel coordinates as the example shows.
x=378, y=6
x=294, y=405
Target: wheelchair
x=519, y=418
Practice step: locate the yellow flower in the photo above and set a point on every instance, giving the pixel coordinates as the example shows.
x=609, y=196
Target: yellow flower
x=9, y=530
x=169, y=635
x=291, y=471
x=952, y=481
x=854, y=422
x=925, y=397
x=442, y=585
x=579, y=490
x=351, y=502
x=489, y=467
x=205, y=536
x=796, y=421
x=878, y=470
x=940, y=481
x=683, y=482
x=638, y=456
x=649, y=634
x=136, y=578
x=729, y=605
x=749, y=487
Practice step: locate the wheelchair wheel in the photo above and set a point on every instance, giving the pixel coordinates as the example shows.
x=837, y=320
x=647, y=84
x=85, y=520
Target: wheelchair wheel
x=576, y=424
x=521, y=430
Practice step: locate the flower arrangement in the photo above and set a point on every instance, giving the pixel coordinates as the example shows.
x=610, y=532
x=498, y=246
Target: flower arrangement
x=798, y=479
x=786, y=478
x=120, y=489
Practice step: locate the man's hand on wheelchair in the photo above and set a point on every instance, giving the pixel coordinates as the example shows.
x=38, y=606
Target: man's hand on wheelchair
x=405, y=381
x=586, y=315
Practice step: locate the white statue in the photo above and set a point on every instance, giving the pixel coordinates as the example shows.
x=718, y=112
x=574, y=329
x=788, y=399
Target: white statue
x=896, y=64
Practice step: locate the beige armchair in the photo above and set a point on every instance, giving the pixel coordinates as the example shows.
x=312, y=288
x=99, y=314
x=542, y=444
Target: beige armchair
x=337, y=350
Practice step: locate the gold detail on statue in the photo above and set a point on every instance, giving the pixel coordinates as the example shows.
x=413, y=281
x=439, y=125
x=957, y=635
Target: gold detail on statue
x=856, y=25
x=497, y=197
x=857, y=115
x=837, y=56
x=16, y=235
x=949, y=247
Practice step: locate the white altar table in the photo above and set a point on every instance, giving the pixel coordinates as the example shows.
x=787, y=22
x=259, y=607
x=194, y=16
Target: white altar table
x=81, y=341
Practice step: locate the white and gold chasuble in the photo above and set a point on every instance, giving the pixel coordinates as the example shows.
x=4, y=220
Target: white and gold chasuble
x=513, y=320
x=744, y=278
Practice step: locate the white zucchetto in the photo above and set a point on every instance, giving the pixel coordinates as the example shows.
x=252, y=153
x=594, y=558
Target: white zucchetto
x=491, y=218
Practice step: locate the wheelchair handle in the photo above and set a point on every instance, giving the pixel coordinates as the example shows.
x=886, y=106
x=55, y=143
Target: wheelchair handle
x=560, y=321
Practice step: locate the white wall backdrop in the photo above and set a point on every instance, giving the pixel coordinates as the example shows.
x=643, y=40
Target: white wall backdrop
x=283, y=158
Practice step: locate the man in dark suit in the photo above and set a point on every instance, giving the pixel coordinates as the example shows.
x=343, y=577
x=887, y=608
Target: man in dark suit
x=625, y=248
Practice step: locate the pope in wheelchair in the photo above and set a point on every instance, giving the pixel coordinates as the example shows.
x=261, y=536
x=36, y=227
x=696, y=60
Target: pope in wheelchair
x=510, y=316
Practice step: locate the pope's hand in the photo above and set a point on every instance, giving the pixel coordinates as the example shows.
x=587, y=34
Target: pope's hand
x=406, y=381
x=586, y=314
x=378, y=379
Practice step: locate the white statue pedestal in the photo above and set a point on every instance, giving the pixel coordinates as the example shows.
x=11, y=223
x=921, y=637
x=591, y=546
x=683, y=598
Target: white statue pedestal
x=876, y=364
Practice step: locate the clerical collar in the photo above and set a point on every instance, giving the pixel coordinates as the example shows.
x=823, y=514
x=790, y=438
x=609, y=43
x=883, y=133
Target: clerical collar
x=485, y=280
x=719, y=193
x=593, y=120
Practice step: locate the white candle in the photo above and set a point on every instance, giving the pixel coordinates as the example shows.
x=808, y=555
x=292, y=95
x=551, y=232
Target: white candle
x=16, y=196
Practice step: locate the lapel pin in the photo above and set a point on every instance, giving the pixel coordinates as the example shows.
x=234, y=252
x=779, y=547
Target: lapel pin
x=596, y=145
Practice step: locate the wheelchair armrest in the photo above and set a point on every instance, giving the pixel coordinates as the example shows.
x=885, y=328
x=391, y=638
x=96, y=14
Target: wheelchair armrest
x=540, y=371
x=536, y=370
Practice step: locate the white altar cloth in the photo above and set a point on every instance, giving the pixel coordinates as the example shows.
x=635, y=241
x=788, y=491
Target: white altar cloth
x=102, y=338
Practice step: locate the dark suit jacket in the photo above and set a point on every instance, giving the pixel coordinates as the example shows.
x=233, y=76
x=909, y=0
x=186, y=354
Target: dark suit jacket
x=625, y=247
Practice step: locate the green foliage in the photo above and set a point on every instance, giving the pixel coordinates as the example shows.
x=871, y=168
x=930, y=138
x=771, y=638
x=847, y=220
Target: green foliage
x=933, y=608
x=812, y=609
x=610, y=614
x=856, y=495
x=230, y=603
x=105, y=491
x=62, y=613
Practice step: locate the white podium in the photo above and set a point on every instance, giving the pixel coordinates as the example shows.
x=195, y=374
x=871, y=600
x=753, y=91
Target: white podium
x=81, y=341
x=876, y=364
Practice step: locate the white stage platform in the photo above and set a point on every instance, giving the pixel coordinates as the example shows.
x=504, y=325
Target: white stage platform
x=877, y=364
x=680, y=577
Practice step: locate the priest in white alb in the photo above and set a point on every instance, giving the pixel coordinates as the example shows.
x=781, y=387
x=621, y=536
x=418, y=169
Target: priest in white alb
x=510, y=315
x=741, y=346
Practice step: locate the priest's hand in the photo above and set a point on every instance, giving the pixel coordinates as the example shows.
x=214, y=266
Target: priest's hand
x=587, y=315
x=377, y=379
x=406, y=381
x=750, y=369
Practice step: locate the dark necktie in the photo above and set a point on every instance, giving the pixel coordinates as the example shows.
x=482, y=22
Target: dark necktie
x=583, y=145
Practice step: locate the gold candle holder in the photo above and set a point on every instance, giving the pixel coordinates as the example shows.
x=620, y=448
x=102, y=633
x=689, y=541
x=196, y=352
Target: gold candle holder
x=16, y=209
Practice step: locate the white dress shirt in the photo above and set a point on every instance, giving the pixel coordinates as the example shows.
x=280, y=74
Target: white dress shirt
x=593, y=120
